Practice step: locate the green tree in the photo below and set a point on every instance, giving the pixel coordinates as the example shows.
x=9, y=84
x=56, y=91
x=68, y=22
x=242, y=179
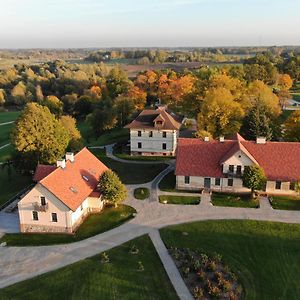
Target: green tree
x=254, y=178
x=69, y=124
x=297, y=187
x=112, y=189
x=38, y=135
x=292, y=127
x=257, y=123
x=124, y=109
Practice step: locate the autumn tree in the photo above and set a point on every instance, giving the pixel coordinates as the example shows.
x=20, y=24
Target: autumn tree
x=38, y=136
x=220, y=114
x=283, y=84
x=117, y=82
x=54, y=104
x=292, y=127
x=112, y=188
x=18, y=93
x=75, y=140
x=254, y=178
x=2, y=97
x=138, y=96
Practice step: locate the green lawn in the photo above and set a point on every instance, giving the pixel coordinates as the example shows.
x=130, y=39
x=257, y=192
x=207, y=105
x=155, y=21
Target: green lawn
x=109, y=137
x=185, y=200
x=296, y=96
x=10, y=186
x=131, y=173
x=264, y=255
x=234, y=200
x=285, y=202
x=109, y=218
x=141, y=193
x=90, y=279
x=5, y=133
x=6, y=153
x=8, y=116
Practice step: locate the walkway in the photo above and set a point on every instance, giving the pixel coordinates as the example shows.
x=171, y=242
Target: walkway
x=20, y=263
x=4, y=146
x=6, y=123
x=170, y=267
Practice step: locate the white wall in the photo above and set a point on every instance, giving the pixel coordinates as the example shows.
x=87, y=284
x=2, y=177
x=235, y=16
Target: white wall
x=154, y=143
x=54, y=206
x=238, y=159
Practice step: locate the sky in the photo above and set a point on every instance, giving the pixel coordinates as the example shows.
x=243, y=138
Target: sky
x=148, y=23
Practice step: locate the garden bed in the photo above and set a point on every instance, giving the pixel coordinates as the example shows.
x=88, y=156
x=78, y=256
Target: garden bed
x=183, y=200
x=234, y=200
x=285, y=202
x=141, y=193
x=207, y=277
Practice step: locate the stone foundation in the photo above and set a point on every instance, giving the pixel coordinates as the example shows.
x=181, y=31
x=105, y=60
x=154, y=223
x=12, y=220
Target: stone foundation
x=31, y=228
x=135, y=153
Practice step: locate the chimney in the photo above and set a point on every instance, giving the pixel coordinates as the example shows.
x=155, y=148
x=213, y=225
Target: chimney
x=260, y=140
x=161, y=107
x=221, y=139
x=61, y=163
x=206, y=139
x=70, y=156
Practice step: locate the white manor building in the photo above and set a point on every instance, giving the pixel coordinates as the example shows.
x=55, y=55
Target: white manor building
x=218, y=165
x=154, y=132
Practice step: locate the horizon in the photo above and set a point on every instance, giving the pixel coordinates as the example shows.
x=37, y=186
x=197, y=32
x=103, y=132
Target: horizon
x=80, y=24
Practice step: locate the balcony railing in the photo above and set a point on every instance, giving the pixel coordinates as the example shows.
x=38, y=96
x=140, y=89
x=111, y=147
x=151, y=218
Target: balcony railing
x=39, y=207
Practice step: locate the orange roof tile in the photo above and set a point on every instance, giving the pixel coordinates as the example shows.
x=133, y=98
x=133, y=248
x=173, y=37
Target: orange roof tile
x=74, y=183
x=42, y=171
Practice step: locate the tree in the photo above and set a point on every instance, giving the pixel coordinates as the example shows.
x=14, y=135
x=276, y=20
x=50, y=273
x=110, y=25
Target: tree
x=117, y=82
x=18, y=93
x=283, y=84
x=69, y=124
x=38, y=135
x=297, y=187
x=220, y=114
x=112, y=189
x=54, y=104
x=201, y=134
x=257, y=123
x=39, y=94
x=2, y=97
x=138, y=96
x=254, y=178
x=258, y=92
x=124, y=107
x=292, y=127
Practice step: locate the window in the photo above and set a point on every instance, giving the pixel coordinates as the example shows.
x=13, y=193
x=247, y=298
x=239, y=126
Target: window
x=239, y=170
x=81, y=207
x=278, y=185
x=139, y=133
x=164, y=146
x=231, y=168
x=230, y=182
x=159, y=122
x=35, y=215
x=164, y=134
x=150, y=133
x=54, y=217
x=139, y=145
x=217, y=181
x=187, y=179
x=292, y=186
x=43, y=200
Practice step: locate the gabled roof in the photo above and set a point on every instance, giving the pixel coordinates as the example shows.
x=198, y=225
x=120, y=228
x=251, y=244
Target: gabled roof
x=145, y=120
x=236, y=147
x=42, y=171
x=78, y=180
x=280, y=160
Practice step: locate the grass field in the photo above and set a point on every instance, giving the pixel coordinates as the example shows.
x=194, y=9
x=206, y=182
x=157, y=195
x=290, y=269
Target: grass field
x=90, y=279
x=285, y=202
x=109, y=218
x=11, y=186
x=6, y=153
x=131, y=173
x=8, y=116
x=4, y=134
x=234, y=200
x=185, y=200
x=264, y=255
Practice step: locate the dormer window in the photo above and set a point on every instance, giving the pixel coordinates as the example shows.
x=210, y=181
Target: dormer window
x=159, y=122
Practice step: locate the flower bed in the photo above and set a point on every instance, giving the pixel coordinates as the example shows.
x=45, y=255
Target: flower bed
x=207, y=277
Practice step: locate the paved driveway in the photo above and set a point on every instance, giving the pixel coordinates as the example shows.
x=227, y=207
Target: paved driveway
x=9, y=222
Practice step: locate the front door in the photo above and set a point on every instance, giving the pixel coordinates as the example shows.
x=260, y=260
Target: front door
x=207, y=183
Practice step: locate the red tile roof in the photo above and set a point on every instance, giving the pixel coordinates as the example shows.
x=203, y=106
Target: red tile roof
x=280, y=160
x=42, y=171
x=79, y=179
